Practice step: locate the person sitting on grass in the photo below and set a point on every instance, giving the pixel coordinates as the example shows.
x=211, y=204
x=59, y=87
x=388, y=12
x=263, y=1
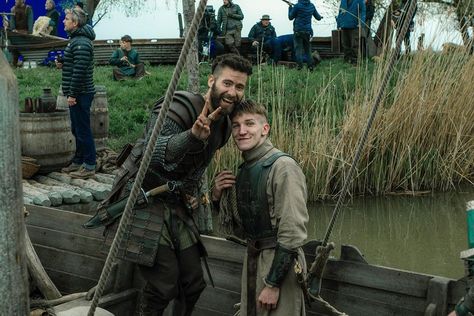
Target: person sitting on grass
x=127, y=61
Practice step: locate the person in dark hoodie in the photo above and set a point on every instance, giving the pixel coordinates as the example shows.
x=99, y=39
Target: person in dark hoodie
x=351, y=21
x=229, y=22
x=78, y=86
x=302, y=13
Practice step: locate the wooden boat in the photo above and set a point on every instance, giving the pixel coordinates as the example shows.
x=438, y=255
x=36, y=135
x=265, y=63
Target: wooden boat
x=73, y=259
x=21, y=41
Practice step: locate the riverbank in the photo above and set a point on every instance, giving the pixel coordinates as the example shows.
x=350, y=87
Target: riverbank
x=422, y=138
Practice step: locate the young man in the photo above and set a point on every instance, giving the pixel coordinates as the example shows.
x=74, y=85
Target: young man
x=271, y=201
x=229, y=22
x=127, y=61
x=78, y=86
x=302, y=13
x=162, y=237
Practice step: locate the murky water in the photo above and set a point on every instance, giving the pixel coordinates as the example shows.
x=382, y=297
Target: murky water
x=423, y=234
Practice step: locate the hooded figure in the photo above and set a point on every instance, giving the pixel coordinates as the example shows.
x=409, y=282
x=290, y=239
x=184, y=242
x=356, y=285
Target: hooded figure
x=302, y=13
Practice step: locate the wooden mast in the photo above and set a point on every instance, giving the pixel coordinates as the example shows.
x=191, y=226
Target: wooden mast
x=13, y=271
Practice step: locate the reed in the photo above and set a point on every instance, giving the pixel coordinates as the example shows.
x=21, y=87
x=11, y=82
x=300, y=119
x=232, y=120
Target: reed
x=421, y=139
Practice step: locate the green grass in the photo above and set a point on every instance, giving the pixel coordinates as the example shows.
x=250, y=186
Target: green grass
x=422, y=137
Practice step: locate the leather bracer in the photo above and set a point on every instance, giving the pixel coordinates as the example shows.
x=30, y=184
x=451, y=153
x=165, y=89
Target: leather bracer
x=282, y=262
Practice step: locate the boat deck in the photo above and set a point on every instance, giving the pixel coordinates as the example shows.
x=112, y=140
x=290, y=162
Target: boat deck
x=72, y=257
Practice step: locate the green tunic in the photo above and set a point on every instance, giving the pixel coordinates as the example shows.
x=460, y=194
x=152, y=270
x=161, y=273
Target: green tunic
x=125, y=67
x=287, y=195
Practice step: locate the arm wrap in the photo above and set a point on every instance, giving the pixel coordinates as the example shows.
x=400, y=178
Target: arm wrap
x=172, y=144
x=282, y=262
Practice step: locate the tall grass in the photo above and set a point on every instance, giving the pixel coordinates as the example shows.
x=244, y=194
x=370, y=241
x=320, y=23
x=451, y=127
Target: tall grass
x=421, y=139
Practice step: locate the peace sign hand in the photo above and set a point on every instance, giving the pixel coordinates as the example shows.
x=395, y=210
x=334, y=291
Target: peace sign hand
x=202, y=126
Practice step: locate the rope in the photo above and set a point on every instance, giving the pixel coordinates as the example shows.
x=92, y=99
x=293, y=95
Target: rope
x=125, y=220
x=228, y=217
x=362, y=140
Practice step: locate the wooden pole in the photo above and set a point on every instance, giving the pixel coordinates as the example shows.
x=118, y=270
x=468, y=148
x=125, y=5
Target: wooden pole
x=13, y=272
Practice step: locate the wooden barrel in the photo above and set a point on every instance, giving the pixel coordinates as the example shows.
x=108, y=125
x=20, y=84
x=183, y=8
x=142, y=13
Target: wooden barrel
x=99, y=115
x=100, y=118
x=47, y=137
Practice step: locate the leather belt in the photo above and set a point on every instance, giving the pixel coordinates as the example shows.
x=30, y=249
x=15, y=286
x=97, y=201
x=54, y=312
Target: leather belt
x=254, y=247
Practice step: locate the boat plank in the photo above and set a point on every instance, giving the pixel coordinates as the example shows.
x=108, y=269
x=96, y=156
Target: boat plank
x=218, y=300
x=62, y=220
x=66, y=241
x=68, y=283
x=70, y=262
x=376, y=277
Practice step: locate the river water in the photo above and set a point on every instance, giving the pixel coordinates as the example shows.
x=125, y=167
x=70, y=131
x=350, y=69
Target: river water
x=417, y=233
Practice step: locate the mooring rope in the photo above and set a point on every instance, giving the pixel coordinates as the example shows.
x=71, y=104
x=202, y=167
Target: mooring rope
x=362, y=140
x=125, y=220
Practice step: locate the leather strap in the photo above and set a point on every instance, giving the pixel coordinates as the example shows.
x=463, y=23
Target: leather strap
x=254, y=247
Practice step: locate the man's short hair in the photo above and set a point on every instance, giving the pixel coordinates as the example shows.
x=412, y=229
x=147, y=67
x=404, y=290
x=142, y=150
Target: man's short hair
x=233, y=61
x=78, y=16
x=126, y=38
x=52, y=3
x=249, y=107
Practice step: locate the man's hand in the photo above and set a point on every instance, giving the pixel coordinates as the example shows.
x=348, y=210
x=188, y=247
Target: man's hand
x=71, y=101
x=224, y=180
x=255, y=43
x=58, y=64
x=192, y=201
x=268, y=298
x=202, y=126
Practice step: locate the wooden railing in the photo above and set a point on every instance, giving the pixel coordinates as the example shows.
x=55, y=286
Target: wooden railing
x=162, y=51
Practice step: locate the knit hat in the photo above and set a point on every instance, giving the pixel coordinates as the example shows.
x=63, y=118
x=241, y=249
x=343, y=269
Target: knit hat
x=265, y=17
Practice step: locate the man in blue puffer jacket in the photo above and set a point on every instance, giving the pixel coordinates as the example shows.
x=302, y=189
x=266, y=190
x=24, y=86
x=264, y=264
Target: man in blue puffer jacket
x=351, y=16
x=301, y=13
x=78, y=86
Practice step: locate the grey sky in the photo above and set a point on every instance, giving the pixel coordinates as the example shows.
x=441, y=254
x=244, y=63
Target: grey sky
x=160, y=21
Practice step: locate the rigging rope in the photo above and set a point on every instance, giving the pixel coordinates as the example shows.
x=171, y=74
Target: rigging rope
x=125, y=220
x=388, y=73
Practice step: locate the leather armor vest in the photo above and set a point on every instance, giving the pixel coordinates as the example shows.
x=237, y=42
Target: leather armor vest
x=252, y=201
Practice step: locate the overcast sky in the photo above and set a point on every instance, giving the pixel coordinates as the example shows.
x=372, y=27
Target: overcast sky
x=160, y=20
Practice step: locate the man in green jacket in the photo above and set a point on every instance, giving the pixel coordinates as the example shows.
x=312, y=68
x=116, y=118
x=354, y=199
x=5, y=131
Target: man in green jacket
x=271, y=203
x=127, y=61
x=229, y=21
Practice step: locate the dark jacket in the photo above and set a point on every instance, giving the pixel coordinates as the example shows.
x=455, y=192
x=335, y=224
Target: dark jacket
x=369, y=10
x=78, y=62
x=302, y=12
x=351, y=13
x=53, y=14
x=229, y=18
x=258, y=31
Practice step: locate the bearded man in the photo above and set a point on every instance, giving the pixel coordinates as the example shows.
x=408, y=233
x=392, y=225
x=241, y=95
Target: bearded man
x=162, y=237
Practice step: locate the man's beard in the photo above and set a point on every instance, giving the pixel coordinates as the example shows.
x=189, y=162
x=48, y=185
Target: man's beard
x=216, y=100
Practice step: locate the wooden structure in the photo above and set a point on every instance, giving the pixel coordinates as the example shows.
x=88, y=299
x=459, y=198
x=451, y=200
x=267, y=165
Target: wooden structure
x=13, y=278
x=72, y=257
x=154, y=51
